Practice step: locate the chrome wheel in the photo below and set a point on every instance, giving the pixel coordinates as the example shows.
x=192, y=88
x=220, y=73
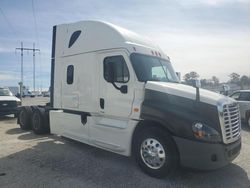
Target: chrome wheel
x=153, y=153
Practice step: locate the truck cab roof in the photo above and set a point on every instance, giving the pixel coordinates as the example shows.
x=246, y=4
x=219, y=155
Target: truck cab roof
x=89, y=36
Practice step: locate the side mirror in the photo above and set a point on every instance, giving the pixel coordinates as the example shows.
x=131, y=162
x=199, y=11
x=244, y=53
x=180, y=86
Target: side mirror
x=109, y=76
x=124, y=89
x=196, y=83
x=18, y=95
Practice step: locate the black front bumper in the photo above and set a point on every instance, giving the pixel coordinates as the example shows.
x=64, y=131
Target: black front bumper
x=206, y=156
x=8, y=111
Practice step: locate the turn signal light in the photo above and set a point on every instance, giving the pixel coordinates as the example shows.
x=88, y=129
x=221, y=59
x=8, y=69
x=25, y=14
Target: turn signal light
x=136, y=109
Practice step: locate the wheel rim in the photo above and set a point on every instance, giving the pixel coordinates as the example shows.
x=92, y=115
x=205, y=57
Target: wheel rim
x=153, y=153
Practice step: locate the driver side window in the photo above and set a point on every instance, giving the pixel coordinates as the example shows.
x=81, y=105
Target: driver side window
x=115, y=69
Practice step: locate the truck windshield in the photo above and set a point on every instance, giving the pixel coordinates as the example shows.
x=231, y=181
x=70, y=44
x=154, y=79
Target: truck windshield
x=5, y=92
x=151, y=68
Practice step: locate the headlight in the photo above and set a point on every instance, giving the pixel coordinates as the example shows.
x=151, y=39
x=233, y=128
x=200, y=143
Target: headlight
x=205, y=133
x=19, y=103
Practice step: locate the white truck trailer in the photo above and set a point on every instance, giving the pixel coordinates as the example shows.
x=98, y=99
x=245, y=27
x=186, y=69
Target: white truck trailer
x=114, y=89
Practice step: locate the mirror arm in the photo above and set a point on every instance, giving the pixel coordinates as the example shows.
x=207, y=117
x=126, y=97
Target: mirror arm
x=122, y=89
x=116, y=87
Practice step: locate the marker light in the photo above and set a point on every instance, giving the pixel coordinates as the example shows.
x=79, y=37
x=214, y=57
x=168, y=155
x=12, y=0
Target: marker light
x=136, y=109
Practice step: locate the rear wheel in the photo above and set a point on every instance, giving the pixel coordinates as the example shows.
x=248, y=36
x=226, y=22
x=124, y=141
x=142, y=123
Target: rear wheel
x=39, y=121
x=24, y=118
x=156, y=153
x=248, y=122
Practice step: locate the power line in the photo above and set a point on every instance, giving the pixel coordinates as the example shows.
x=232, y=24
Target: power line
x=8, y=22
x=37, y=38
x=34, y=69
x=35, y=22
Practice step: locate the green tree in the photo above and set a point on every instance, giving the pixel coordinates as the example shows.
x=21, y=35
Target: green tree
x=190, y=76
x=215, y=80
x=194, y=75
x=234, y=78
x=244, y=81
x=203, y=82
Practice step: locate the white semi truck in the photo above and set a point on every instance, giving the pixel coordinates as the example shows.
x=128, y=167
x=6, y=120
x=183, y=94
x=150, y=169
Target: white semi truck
x=114, y=89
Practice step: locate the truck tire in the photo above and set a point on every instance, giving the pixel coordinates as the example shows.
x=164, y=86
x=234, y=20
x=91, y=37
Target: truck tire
x=248, y=121
x=156, y=152
x=39, y=124
x=24, y=118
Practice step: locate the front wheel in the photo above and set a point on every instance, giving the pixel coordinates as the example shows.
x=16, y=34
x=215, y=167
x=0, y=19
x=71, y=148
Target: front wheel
x=156, y=153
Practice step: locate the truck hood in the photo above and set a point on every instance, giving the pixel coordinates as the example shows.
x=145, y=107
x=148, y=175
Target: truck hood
x=9, y=98
x=189, y=92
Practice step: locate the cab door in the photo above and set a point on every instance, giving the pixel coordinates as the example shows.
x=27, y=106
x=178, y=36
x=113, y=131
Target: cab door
x=111, y=128
x=116, y=84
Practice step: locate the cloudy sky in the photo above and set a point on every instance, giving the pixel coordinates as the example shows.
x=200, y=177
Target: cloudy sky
x=211, y=37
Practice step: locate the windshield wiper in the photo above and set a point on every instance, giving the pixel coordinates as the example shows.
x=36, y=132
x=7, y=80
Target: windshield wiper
x=164, y=71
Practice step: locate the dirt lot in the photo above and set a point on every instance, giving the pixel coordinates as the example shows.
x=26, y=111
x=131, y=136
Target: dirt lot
x=28, y=160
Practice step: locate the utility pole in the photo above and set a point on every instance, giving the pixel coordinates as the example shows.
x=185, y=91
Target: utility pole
x=34, y=68
x=21, y=83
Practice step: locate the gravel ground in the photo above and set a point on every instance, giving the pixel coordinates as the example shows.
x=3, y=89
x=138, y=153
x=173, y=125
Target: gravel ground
x=28, y=160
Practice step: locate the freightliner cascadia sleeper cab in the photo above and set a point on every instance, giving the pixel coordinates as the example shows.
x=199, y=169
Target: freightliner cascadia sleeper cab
x=114, y=89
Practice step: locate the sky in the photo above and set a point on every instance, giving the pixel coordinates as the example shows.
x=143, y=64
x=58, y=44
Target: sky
x=211, y=37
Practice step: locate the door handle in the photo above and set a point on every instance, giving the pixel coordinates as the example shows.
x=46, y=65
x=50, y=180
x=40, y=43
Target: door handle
x=102, y=103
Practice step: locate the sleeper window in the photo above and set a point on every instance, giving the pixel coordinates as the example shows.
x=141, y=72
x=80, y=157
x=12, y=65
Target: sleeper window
x=70, y=74
x=116, y=68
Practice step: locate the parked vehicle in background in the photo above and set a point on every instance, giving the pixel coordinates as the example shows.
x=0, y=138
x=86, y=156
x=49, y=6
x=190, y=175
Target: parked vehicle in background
x=46, y=94
x=243, y=97
x=8, y=102
x=14, y=90
x=39, y=94
x=32, y=94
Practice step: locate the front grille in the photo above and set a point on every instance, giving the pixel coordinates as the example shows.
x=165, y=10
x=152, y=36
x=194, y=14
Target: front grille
x=7, y=104
x=231, y=122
